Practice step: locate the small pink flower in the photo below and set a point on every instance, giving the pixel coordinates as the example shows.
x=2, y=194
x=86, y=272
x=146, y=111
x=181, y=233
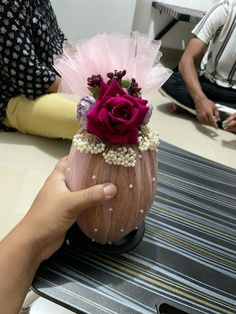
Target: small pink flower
x=116, y=116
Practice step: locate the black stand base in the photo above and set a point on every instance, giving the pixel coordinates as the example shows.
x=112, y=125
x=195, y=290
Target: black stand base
x=78, y=240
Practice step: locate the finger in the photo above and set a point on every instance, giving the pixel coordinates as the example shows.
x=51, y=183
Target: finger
x=231, y=128
x=90, y=197
x=230, y=118
x=229, y=125
x=61, y=165
x=213, y=117
x=216, y=113
x=206, y=118
x=59, y=170
x=202, y=118
x=212, y=120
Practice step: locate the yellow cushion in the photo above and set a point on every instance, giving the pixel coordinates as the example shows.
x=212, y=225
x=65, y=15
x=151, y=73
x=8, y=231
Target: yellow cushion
x=50, y=115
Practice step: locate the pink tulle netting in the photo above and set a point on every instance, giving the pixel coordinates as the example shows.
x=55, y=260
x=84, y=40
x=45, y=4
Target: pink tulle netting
x=103, y=53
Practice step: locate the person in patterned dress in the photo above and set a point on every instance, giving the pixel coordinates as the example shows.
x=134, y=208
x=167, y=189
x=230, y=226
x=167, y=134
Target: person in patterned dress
x=212, y=94
x=30, y=39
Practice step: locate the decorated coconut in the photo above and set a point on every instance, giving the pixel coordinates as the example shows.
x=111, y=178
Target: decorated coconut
x=110, y=73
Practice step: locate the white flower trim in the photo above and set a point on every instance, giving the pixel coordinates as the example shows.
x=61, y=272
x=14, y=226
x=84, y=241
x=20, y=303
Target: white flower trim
x=148, y=139
x=120, y=155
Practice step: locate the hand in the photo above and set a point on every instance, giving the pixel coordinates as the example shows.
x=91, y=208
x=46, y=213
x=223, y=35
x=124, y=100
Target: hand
x=41, y=232
x=55, y=209
x=53, y=88
x=230, y=123
x=207, y=113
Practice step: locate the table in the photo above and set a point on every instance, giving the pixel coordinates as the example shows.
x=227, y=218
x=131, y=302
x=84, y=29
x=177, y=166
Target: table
x=177, y=13
x=186, y=260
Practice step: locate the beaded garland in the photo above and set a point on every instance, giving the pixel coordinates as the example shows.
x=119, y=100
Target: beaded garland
x=120, y=155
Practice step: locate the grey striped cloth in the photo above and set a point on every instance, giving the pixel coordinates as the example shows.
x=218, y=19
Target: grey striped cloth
x=187, y=258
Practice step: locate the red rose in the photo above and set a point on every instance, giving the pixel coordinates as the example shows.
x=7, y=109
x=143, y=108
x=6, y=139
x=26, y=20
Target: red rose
x=116, y=116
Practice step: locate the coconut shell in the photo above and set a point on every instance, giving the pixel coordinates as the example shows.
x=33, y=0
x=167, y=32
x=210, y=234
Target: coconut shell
x=136, y=187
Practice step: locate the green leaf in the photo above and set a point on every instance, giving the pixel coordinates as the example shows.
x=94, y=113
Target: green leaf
x=125, y=84
x=94, y=90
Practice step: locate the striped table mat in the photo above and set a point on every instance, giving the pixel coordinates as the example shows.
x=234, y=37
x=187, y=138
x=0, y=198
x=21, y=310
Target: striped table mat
x=187, y=258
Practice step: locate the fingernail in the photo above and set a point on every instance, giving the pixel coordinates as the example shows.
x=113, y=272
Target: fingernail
x=224, y=125
x=109, y=190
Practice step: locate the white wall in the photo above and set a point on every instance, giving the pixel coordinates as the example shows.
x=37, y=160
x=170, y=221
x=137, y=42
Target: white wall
x=84, y=18
x=149, y=20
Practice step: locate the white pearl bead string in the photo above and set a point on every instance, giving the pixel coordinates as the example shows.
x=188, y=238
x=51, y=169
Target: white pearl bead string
x=120, y=155
x=88, y=143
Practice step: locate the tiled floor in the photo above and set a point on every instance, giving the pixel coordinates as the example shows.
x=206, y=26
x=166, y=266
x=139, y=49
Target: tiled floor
x=42, y=306
x=25, y=162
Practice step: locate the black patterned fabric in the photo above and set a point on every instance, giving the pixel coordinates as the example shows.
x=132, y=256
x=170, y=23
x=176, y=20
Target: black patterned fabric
x=29, y=40
x=187, y=258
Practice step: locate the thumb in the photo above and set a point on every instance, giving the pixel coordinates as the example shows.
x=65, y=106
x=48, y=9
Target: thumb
x=213, y=117
x=87, y=198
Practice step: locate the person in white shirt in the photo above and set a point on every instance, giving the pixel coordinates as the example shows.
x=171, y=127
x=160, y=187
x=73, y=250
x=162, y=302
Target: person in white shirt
x=209, y=91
